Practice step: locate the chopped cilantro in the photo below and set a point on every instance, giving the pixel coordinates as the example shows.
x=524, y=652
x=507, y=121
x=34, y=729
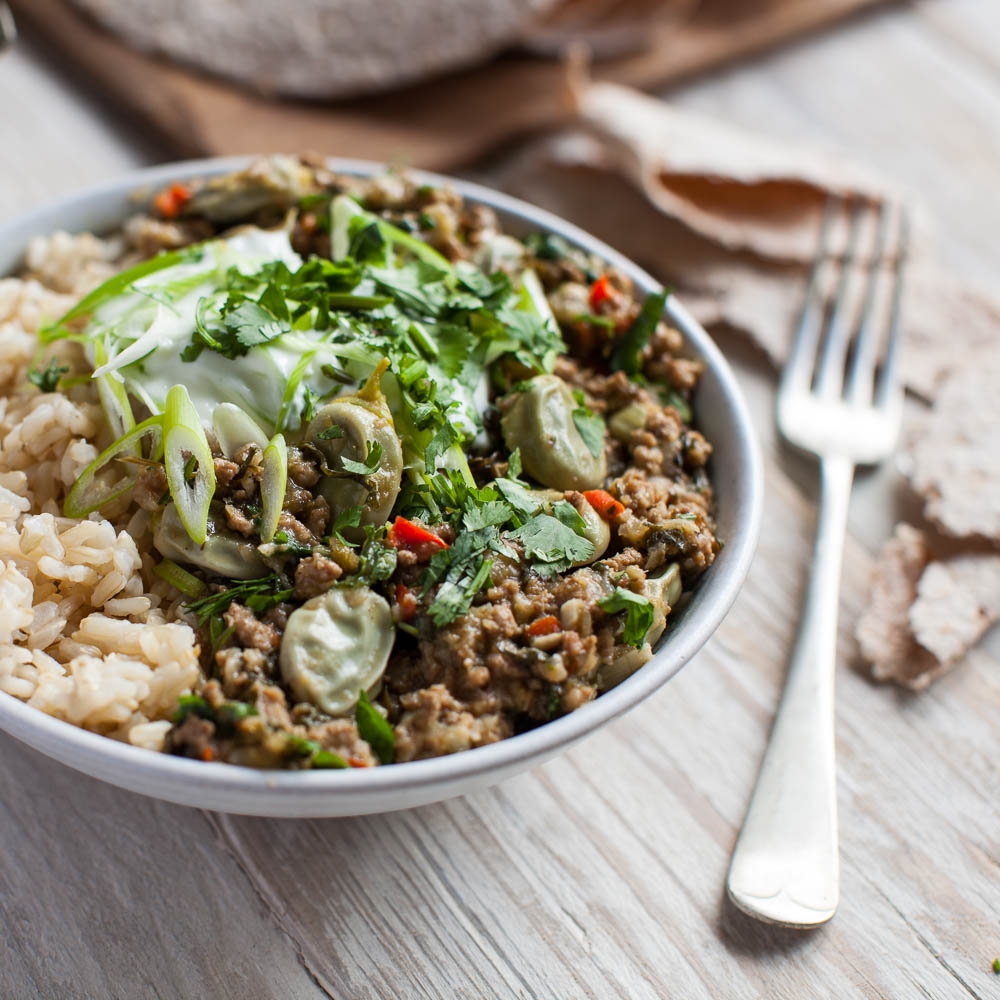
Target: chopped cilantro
x=349, y=518
x=375, y=729
x=673, y=398
x=47, y=379
x=290, y=546
x=627, y=355
x=639, y=614
x=377, y=560
x=462, y=571
x=373, y=458
x=551, y=545
x=333, y=431
x=591, y=428
x=258, y=595
x=225, y=716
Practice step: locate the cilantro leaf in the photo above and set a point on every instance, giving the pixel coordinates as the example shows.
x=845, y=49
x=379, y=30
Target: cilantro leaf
x=591, y=428
x=491, y=513
x=259, y=595
x=377, y=561
x=462, y=571
x=248, y=324
x=375, y=729
x=48, y=379
x=373, y=459
x=350, y=518
x=551, y=545
x=627, y=355
x=639, y=614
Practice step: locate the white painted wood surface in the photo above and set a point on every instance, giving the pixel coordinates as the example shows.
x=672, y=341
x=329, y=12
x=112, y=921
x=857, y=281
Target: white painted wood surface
x=600, y=874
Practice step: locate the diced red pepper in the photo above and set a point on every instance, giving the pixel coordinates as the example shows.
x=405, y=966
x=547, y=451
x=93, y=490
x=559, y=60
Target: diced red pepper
x=600, y=291
x=207, y=754
x=544, y=626
x=171, y=200
x=356, y=762
x=604, y=503
x=407, y=602
x=406, y=534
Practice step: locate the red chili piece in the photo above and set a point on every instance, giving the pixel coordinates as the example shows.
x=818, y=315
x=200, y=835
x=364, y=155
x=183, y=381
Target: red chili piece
x=600, y=291
x=171, y=200
x=406, y=534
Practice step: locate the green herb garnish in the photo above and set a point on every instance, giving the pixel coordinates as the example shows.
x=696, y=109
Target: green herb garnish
x=627, y=355
x=317, y=756
x=639, y=614
x=373, y=459
x=258, y=595
x=47, y=379
x=591, y=428
x=375, y=729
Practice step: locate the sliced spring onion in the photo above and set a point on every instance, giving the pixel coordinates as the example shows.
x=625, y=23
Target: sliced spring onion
x=93, y=491
x=344, y=209
x=114, y=397
x=414, y=245
x=273, y=483
x=534, y=299
x=184, y=438
x=115, y=286
x=179, y=578
x=234, y=428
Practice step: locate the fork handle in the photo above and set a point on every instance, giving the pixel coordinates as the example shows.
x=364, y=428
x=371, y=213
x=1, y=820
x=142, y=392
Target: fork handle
x=785, y=868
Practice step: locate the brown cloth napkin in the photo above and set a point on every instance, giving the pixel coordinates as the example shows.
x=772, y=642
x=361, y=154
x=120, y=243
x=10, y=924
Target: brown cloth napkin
x=440, y=124
x=731, y=222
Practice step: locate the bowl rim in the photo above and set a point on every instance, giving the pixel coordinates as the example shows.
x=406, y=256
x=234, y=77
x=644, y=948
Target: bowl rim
x=237, y=787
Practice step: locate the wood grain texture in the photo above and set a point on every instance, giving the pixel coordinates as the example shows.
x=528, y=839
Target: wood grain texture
x=600, y=874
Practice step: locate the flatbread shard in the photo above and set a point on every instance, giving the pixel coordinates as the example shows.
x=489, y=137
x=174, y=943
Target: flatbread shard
x=883, y=630
x=958, y=599
x=952, y=452
x=924, y=614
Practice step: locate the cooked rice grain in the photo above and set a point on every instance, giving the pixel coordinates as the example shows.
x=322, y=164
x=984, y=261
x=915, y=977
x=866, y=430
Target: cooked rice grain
x=84, y=626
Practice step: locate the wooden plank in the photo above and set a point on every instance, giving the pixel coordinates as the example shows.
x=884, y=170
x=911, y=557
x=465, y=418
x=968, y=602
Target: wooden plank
x=104, y=893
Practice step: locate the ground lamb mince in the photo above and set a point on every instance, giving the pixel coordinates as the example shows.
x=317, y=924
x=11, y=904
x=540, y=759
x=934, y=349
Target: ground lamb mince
x=90, y=633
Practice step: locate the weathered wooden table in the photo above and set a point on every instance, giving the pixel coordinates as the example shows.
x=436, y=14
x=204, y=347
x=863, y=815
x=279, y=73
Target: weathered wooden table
x=600, y=874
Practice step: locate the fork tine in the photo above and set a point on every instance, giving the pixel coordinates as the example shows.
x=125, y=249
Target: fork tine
x=798, y=368
x=830, y=368
x=859, y=379
x=889, y=383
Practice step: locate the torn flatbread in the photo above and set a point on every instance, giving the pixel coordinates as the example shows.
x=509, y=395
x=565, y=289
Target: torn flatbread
x=924, y=614
x=883, y=630
x=958, y=599
x=952, y=452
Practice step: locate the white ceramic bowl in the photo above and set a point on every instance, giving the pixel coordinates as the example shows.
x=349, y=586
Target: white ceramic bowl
x=735, y=471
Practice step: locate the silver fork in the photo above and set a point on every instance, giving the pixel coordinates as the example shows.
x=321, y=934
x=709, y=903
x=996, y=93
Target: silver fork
x=785, y=867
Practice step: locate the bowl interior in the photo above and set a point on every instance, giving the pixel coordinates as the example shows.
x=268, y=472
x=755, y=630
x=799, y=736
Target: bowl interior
x=735, y=471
